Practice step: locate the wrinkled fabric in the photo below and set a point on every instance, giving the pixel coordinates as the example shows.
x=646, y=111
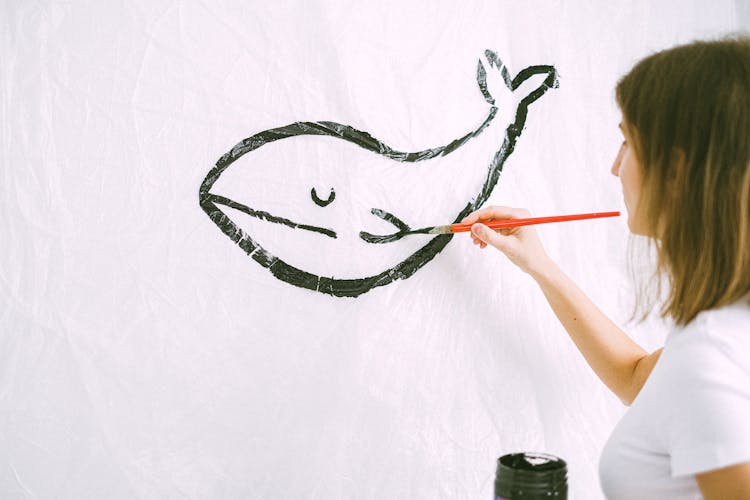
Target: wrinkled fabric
x=146, y=354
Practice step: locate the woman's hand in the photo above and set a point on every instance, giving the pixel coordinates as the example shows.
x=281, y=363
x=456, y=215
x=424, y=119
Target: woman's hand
x=520, y=244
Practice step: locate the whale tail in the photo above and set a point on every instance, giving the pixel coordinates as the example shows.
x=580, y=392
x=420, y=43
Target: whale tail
x=531, y=82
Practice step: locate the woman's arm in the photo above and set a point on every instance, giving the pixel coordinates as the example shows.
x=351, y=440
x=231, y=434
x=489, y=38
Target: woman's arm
x=613, y=356
x=727, y=483
x=619, y=362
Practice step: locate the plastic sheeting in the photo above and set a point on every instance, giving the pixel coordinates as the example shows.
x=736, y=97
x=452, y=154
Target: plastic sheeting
x=146, y=355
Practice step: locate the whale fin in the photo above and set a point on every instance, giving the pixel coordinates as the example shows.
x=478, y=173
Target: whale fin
x=495, y=62
x=482, y=81
x=526, y=86
x=532, y=82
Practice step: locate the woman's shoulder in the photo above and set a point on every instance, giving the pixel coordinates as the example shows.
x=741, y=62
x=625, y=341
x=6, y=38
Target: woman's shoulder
x=717, y=339
x=730, y=323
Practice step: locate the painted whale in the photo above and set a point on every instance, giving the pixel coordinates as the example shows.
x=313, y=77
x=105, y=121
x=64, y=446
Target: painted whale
x=540, y=78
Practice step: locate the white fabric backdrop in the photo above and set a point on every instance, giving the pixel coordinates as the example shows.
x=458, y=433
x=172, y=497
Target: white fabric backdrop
x=144, y=355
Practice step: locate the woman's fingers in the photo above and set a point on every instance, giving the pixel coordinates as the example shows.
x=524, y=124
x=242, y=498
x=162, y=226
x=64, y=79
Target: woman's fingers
x=495, y=212
x=477, y=241
x=520, y=244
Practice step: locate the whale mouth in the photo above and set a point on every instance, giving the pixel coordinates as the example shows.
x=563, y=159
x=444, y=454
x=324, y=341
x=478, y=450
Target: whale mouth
x=266, y=216
x=404, y=229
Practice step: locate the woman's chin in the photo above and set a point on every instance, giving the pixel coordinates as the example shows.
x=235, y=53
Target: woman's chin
x=634, y=229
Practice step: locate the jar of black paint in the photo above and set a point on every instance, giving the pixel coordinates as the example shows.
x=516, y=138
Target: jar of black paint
x=531, y=476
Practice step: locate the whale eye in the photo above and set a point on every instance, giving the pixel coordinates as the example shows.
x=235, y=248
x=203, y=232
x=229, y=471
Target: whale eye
x=320, y=202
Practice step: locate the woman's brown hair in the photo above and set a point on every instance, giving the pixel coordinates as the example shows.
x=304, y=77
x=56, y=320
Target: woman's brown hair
x=687, y=110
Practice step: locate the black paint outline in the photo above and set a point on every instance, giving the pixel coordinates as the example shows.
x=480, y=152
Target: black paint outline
x=355, y=287
x=320, y=202
x=266, y=216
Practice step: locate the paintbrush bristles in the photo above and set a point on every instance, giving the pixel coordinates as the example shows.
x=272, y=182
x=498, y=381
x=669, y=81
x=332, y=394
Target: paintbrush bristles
x=441, y=230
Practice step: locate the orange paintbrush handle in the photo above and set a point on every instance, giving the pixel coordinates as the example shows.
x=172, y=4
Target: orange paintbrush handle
x=506, y=223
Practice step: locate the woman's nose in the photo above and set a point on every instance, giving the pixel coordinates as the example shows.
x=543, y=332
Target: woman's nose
x=616, y=165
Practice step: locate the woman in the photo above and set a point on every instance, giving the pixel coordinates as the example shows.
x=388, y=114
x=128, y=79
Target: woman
x=685, y=172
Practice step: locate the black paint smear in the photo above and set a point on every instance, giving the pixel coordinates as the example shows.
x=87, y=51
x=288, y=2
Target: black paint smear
x=266, y=216
x=405, y=269
x=404, y=229
x=323, y=203
x=375, y=238
x=390, y=218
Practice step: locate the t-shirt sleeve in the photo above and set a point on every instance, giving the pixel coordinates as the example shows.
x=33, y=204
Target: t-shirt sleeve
x=710, y=411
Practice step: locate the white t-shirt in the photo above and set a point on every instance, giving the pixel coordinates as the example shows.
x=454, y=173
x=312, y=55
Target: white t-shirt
x=692, y=414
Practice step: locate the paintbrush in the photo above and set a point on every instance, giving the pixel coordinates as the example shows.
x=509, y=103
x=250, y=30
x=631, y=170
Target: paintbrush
x=508, y=223
x=458, y=228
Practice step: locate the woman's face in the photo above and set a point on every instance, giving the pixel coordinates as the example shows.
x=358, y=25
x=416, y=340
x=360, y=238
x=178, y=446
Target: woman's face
x=628, y=169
